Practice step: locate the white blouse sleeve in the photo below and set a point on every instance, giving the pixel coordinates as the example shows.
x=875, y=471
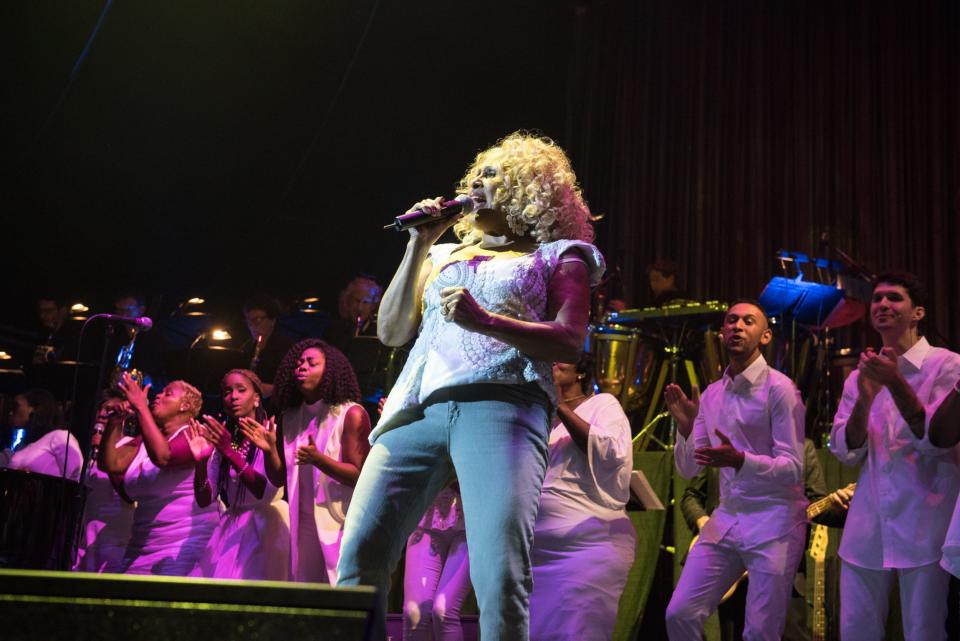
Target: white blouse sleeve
x=610, y=452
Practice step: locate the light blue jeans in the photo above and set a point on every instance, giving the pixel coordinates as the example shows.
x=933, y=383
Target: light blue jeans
x=494, y=439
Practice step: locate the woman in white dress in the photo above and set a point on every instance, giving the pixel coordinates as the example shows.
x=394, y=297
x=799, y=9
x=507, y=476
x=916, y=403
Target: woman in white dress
x=47, y=447
x=170, y=530
x=436, y=572
x=108, y=512
x=325, y=433
x=584, y=543
x=252, y=539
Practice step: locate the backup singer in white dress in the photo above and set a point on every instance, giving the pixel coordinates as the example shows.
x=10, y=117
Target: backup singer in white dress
x=325, y=433
x=584, y=543
x=108, y=515
x=244, y=476
x=170, y=531
x=436, y=572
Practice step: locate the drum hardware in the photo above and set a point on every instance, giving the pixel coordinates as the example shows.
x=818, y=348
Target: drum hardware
x=642, y=436
x=810, y=299
x=638, y=352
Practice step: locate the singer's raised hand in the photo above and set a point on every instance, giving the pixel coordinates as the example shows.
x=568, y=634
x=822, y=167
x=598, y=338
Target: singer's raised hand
x=136, y=395
x=429, y=233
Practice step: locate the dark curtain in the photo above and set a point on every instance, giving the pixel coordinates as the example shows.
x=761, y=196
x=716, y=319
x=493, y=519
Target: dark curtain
x=717, y=132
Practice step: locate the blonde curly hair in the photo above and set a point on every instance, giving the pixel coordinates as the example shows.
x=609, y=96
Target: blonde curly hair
x=192, y=399
x=540, y=194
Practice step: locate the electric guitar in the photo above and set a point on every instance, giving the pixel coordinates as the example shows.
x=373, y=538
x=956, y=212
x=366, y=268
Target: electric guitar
x=818, y=552
x=817, y=508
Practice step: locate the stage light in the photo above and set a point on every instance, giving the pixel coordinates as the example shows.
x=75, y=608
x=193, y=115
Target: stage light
x=220, y=335
x=310, y=305
x=195, y=306
x=4, y=356
x=78, y=311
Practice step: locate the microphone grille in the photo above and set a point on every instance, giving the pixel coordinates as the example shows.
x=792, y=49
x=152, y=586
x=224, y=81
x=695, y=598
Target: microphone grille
x=468, y=203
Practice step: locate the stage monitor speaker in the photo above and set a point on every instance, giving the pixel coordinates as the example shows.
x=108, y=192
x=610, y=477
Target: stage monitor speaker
x=74, y=606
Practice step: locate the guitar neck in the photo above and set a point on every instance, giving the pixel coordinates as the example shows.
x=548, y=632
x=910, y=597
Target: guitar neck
x=817, y=508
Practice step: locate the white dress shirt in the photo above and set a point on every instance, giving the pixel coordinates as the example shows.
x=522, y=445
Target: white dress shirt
x=761, y=412
x=907, y=487
x=47, y=453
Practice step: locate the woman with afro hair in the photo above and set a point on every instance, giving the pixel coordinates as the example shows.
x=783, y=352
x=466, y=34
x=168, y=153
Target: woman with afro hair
x=490, y=314
x=325, y=432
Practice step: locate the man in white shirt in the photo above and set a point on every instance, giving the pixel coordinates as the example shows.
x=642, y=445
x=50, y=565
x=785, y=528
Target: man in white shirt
x=750, y=425
x=907, y=486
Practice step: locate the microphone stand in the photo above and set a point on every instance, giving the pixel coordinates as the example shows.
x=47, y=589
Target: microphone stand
x=123, y=359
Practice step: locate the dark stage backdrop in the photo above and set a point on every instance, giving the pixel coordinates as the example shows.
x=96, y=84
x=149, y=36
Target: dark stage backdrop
x=716, y=133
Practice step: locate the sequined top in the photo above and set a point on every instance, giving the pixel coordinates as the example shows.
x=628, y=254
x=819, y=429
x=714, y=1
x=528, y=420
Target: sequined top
x=445, y=354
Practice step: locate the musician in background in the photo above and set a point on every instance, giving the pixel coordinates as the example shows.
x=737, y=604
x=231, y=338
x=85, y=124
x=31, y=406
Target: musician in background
x=149, y=350
x=356, y=313
x=662, y=277
x=59, y=339
x=267, y=346
x=46, y=444
x=749, y=424
x=907, y=485
x=701, y=497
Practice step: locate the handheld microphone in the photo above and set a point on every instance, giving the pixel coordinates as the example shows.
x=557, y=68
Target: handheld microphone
x=461, y=204
x=143, y=323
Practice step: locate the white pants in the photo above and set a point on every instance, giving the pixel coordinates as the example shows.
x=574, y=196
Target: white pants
x=865, y=596
x=435, y=584
x=711, y=569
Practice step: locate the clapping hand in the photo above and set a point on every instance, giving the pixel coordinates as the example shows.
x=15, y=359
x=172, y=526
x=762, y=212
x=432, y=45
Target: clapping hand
x=725, y=455
x=308, y=454
x=881, y=369
x=263, y=436
x=683, y=409
x=200, y=447
x=216, y=433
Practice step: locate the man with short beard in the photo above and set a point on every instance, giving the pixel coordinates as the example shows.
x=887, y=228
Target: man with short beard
x=749, y=424
x=907, y=486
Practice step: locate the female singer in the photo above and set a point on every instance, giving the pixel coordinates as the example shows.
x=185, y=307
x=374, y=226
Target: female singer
x=493, y=313
x=436, y=572
x=325, y=434
x=170, y=530
x=252, y=539
x=108, y=512
x=584, y=543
